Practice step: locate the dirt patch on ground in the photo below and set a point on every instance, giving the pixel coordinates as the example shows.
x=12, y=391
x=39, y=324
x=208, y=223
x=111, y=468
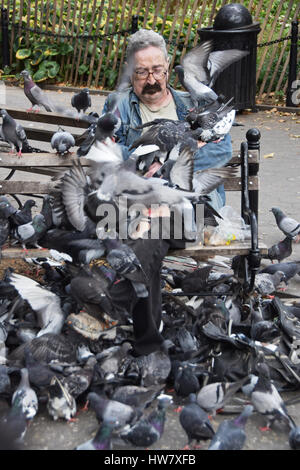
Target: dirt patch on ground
x=20, y=266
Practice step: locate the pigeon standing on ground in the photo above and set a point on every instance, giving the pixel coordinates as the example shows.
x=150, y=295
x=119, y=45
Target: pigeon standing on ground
x=81, y=100
x=267, y=400
x=294, y=438
x=35, y=94
x=102, y=439
x=60, y=404
x=106, y=409
x=147, y=431
x=280, y=250
x=195, y=422
x=231, y=434
x=26, y=396
x=214, y=396
x=290, y=269
x=62, y=141
x=13, y=132
x=200, y=68
x=289, y=226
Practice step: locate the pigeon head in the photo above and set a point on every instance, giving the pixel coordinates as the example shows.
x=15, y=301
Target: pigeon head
x=3, y=113
x=6, y=209
x=263, y=370
x=179, y=70
x=29, y=203
x=276, y=211
x=25, y=74
x=85, y=90
x=107, y=122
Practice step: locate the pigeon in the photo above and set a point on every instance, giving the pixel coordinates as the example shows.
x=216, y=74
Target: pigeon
x=31, y=232
x=289, y=226
x=102, y=439
x=6, y=211
x=45, y=303
x=24, y=215
x=290, y=269
x=35, y=94
x=200, y=68
x=266, y=283
x=80, y=380
x=14, y=423
x=60, y=404
x=136, y=396
x=280, y=250
x=294, y=438
x=230, y=434
x=81, y=100
x=104, y=127
x=214, y=124
x=185, y=381
x=5, y=382
x=26, y=396
x=148, y=430
x=107, y=409
x=195, y=422
x=62, y=141
x=13, y=132
x=267, y=400
x=124, y=261
x=214, y=396
x=262, y=330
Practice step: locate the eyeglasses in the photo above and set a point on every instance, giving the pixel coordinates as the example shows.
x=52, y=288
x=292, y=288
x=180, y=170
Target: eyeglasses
x=158, y=74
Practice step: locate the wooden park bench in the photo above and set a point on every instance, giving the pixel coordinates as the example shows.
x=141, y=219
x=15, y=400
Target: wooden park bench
x=247, y=183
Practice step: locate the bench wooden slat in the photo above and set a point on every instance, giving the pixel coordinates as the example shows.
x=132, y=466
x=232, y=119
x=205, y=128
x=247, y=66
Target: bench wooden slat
x=47, y=117
x=18, y=252
x=28, y=187
x=43, y=135
x=46, y=159
x=204, y=251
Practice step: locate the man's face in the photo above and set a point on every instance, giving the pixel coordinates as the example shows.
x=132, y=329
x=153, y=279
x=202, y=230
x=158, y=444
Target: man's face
x=150, y=88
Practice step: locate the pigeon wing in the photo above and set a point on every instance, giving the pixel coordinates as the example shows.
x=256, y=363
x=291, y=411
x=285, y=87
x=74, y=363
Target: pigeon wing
x=41, y=98
x=182, y=170
x=220, y=60
x=195, y=61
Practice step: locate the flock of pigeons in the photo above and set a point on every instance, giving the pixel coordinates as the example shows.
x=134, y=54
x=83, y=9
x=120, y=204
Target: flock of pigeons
x=62, y=342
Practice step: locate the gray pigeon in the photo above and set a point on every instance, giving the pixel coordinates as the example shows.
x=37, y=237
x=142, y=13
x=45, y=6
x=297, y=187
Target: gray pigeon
x=267, y=400
x=31, y=232
x=231, y=434
x=62, y=141
x=60, y=404
x=102, y=439
x=26, y=395
x=13, y=132
x=266, y=283
x=214, y=396
x=81, y=100
x=200, y=68
x=35, y=94
x=6, y=210
x=280, y=250
x=195, y=421
x=290, y=227
x=106, y=409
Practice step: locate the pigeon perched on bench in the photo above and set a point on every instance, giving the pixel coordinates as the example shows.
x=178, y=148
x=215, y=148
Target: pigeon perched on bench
x=13, y=132
x=81, y=100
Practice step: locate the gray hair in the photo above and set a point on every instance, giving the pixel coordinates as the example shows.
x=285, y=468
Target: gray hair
x=144, y=38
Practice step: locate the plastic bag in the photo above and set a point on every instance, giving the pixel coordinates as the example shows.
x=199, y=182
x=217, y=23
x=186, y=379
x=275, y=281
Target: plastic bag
x=231, y=227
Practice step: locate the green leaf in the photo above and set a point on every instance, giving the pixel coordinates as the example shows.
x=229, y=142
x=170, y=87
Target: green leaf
x=37, y=57
x=23, y=54
x=40, y=76
x=53, y=71
x=50, y=51
x=65, y=49
x=82, y=69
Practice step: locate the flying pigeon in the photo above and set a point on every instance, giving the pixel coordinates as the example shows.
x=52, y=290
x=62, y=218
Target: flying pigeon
x=290, y=227
x=81, y=100
x=230, y=434
x=200, y=68
x=62, y=141
x=35, y=94
x=13, y=132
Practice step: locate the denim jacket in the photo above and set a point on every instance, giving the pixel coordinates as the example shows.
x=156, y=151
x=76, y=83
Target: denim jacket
x=211, y=155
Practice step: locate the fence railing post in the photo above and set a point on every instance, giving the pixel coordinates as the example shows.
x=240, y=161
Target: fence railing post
x=5, y=41
x=134, y=24
x=291, y=88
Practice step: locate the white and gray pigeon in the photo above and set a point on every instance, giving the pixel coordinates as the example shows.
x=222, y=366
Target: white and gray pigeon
x=200, y=68
x=13, y=132
x=61, y=404
x=289, y=226
x=26, y=396
x=62, y=141
x=267, y=400
x=45, y=303
x=231, y=434
x=215, y=395
x=35, y=94
x=266, y=283
x=31, y=232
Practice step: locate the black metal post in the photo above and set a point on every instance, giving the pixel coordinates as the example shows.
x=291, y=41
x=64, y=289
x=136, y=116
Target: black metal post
x=5, y=41
x=134, y=24
x=290, y=99
x=253, y=141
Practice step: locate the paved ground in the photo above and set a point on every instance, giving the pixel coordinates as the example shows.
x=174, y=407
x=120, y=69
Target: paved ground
x=279, y=186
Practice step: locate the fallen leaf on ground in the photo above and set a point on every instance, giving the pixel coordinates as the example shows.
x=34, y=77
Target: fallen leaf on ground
x=269, y=155
x=295, y=136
